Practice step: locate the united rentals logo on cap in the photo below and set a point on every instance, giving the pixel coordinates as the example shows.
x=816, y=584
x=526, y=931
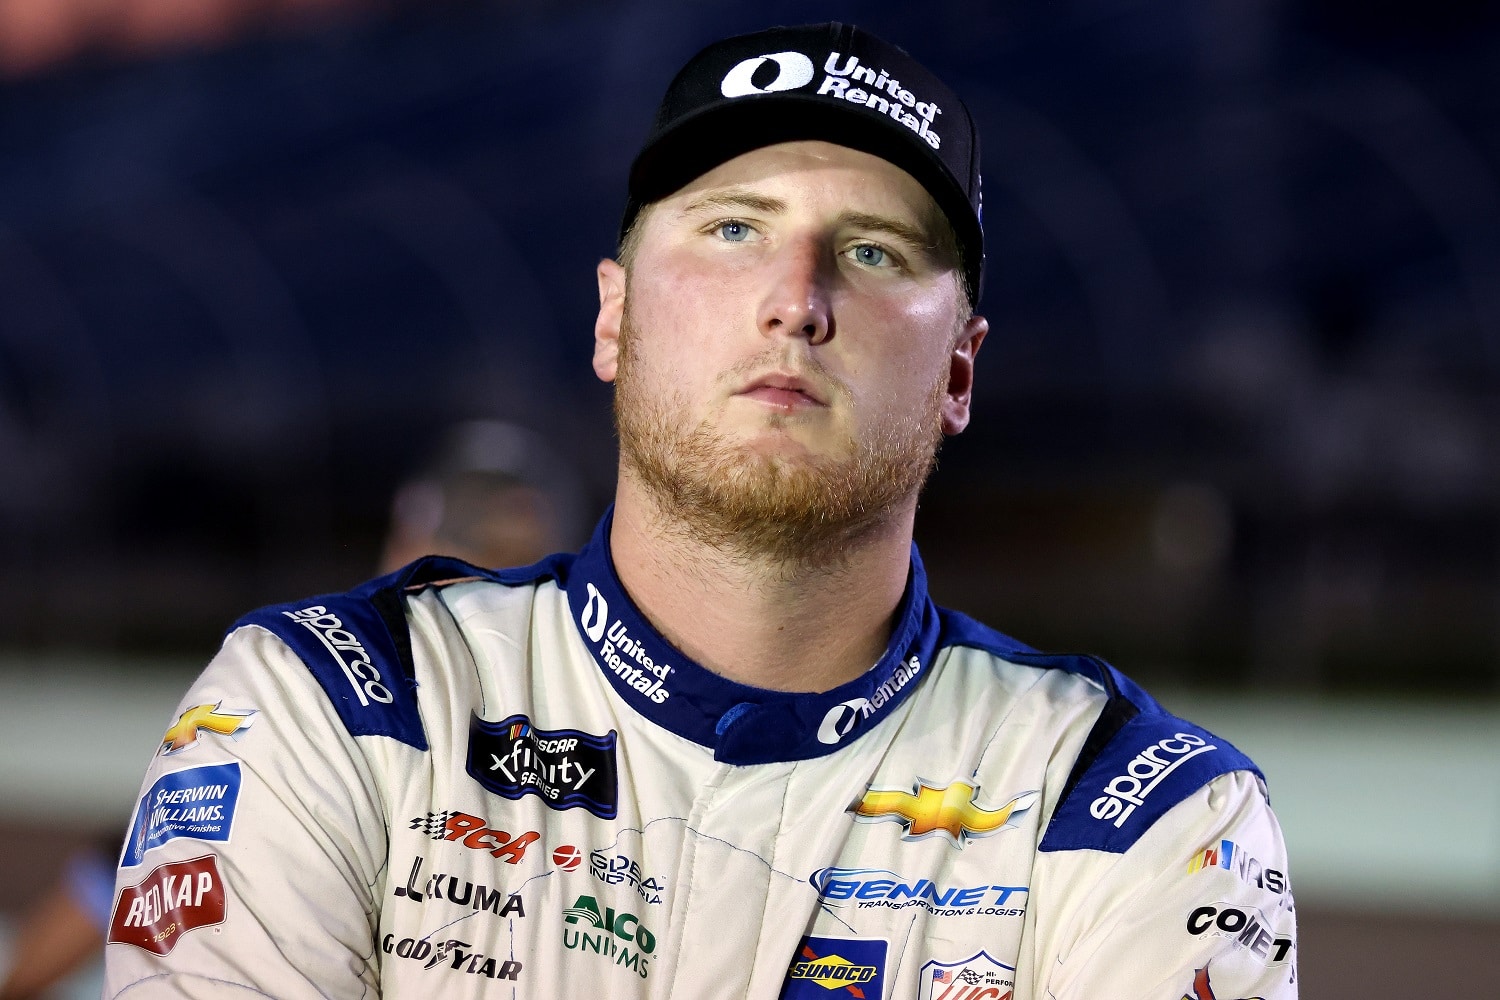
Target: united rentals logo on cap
x=794, y=70
x=830, y=82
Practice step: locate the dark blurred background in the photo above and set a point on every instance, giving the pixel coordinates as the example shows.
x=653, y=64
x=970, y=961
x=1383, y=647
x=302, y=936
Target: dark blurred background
x=1236, y=420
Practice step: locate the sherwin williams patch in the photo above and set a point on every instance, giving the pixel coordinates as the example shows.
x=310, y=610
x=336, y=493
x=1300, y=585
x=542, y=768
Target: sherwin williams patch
x=197, y=803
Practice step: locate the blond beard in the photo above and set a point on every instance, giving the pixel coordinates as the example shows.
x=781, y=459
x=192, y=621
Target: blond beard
x=725, y=495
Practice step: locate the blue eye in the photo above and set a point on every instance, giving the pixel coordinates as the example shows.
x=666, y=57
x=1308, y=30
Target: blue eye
x=733, y=231
x=870, y=254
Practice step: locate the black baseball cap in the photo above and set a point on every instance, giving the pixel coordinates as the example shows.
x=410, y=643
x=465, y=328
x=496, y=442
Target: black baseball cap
x=832, y=82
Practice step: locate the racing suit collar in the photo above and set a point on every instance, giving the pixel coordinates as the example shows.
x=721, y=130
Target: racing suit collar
x=740, y=723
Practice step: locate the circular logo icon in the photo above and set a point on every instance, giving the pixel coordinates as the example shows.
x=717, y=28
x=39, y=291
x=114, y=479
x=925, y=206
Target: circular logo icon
x=841, y=718
x=793, y=70
x=567, y=857
x=595, y=615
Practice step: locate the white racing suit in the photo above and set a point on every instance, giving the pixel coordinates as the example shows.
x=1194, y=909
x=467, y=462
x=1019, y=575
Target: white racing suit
x=458, y=783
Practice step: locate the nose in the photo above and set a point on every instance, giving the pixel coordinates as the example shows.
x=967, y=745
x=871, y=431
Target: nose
x=796, y=301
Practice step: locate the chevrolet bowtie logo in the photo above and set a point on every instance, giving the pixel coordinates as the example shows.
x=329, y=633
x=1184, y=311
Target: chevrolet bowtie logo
x=932, y=811
x=185, y=733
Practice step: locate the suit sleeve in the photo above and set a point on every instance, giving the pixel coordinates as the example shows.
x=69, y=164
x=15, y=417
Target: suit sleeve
x=256, y=852
x=1198, y=908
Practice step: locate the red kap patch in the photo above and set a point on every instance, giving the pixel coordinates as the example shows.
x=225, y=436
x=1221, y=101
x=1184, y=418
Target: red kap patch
x=173, y=899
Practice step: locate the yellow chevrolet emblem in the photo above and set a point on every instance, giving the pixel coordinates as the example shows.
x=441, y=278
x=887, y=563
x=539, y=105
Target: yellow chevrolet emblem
x=185, y=732
x=930, y=811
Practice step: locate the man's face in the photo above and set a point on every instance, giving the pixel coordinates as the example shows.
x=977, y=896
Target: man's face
x=789, y=346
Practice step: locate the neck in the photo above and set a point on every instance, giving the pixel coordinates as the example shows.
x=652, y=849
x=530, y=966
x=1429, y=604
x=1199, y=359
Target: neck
x=808, y=625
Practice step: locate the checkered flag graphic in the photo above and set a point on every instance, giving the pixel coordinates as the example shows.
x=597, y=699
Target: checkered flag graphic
x=433, y=825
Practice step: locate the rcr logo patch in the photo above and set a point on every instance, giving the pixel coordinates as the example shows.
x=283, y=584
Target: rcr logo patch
x=793, y=70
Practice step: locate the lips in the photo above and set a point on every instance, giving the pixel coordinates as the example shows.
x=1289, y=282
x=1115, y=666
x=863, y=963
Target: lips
x=784, y=390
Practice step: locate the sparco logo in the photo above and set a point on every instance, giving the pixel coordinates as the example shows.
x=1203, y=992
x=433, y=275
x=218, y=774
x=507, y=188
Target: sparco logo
x=840, y=720
x=793, y=70
x=363, y=676
x=1148, y=769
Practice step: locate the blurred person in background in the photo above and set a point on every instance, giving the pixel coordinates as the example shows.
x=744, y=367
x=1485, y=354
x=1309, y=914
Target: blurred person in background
x=731, y=747
x=491, y=493
x=488, y=492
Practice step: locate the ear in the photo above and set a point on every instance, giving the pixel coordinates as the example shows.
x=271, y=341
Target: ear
x=611, y=313
x=961, y=374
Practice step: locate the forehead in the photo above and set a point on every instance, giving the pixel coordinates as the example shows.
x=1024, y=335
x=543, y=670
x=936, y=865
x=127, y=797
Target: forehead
x=819, y=175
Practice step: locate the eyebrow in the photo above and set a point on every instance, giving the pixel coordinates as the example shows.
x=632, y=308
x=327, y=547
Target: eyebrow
x=907, y=233
x=731, y=199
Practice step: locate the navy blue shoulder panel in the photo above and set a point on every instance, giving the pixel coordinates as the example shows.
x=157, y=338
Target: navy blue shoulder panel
x=1138, y=761
x=358, y=644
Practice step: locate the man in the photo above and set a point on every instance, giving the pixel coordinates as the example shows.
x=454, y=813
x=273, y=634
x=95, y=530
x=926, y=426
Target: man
x=665, y=766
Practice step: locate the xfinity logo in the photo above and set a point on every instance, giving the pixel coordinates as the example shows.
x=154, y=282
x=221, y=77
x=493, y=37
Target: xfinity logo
x=595, y=615
x=793, y=70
